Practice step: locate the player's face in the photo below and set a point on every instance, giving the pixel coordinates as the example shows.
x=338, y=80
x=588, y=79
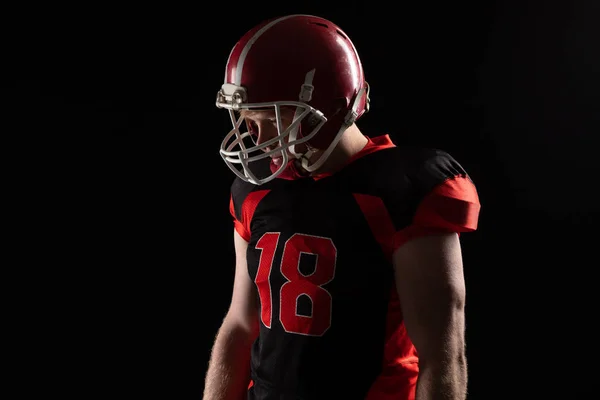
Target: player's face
x=262, y=124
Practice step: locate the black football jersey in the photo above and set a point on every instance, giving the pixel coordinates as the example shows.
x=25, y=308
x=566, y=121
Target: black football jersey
x=320, y=253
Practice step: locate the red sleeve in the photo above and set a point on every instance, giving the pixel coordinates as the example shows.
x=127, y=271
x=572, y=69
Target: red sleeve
x=452, y=206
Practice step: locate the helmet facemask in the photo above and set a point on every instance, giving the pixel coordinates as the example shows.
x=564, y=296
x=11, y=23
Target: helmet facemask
x=239, y=148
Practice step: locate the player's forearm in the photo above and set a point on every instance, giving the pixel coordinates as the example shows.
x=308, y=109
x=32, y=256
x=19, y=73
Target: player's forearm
x=443, y=378
x=228, y=371
x=443, y=360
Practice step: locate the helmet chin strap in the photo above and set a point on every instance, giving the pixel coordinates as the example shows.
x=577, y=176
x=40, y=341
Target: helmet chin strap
x=319, y=162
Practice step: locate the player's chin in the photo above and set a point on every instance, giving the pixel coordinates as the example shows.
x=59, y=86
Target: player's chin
x=277, y=161
x=277, y=158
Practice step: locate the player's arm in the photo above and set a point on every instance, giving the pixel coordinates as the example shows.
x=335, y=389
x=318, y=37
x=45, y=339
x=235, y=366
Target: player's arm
x=228, y=371
x=431, y=289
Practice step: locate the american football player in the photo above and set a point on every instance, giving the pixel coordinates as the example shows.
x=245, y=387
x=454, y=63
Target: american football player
x=349, y=275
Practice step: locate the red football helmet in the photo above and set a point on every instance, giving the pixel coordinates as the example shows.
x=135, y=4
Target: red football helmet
x=299, y=61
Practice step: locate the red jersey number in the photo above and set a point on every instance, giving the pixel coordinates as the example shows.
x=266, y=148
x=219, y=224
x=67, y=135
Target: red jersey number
x=297, y=284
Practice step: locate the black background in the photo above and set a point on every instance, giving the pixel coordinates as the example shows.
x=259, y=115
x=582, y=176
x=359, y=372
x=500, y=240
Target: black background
x=124, y=196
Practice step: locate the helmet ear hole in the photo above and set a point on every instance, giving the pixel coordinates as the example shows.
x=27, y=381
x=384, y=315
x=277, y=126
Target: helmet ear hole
x=338, y=105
